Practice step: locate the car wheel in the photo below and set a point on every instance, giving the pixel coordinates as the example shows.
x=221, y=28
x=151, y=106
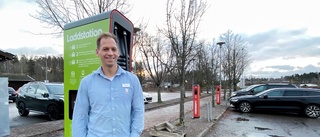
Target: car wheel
x=22, y=109
x=312, y=111
x=245, y=107
x=53, y=113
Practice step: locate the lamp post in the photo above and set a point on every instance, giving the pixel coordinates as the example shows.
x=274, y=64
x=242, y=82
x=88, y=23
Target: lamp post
x=212, y=86
x=192, y=73
x=46, y=69
x=220, y=62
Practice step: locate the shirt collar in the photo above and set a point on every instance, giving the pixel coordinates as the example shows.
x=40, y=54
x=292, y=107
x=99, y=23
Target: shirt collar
x=119, y=71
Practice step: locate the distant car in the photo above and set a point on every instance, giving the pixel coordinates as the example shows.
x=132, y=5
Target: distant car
x=41, y=97
x=301, y=100
x=147, y=98
x=257, y=88
x=17, y=91
x=12, y=94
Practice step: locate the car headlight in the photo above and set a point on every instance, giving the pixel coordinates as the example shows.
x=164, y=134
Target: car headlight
x=233, y=94
x=233, y=99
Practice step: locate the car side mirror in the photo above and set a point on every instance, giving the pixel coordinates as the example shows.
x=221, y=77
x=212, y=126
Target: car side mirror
x=45, y=95
x=265, y=96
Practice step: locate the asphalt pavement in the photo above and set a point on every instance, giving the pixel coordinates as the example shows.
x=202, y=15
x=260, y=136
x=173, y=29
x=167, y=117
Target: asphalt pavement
x=193, y=127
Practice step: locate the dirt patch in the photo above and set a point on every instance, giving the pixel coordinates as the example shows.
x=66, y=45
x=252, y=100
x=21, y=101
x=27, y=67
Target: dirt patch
x=262, y=128
x=242, y=119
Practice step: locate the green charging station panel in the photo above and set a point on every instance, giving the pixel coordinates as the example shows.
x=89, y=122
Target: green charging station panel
x=80, y=53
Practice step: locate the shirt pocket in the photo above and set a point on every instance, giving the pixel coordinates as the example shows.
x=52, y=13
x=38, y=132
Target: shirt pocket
x=124, y=94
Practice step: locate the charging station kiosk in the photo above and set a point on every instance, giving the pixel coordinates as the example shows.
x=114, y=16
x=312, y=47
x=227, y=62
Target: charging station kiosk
x=196, y=101
x=80, y=53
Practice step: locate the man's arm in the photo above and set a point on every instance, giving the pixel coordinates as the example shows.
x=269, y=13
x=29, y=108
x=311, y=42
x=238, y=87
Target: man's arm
x=137, y=114
x=81, y=112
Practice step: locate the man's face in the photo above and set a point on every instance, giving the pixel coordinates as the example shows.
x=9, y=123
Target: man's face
x=108, y=52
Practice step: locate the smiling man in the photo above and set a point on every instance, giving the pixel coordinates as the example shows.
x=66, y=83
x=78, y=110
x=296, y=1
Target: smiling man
x=109, y=102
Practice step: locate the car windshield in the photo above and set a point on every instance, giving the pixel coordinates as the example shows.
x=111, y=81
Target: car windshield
x=250, y=87
x=56, y=89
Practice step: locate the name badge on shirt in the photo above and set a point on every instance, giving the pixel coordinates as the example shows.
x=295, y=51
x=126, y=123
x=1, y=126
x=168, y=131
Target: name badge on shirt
x=126, y=85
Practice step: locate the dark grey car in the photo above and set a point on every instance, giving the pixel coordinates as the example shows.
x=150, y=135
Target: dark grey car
x=41, y=97
x=301, y=100
x=12, y=94
x=257, y=88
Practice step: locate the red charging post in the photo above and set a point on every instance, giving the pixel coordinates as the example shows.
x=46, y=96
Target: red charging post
x=218, y=95
x=196, y=101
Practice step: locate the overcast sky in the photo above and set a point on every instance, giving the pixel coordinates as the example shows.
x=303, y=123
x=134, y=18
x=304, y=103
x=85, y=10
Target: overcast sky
x=283, y=35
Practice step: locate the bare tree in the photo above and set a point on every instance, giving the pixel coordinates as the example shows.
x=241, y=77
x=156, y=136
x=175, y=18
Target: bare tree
x=235, y=58
x=182, y=21
x=208, y=68
x=139, y=71
x=203, y=68
x=56, y=13
x=156, y=58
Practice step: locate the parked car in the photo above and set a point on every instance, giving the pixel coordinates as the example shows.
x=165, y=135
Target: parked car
x=301, y=100
x=12, y=94
x=257, y=88
x=147, y=98
x=41, y=97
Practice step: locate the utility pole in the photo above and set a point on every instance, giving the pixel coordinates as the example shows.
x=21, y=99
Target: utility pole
x=220, y=64
x=46, y=69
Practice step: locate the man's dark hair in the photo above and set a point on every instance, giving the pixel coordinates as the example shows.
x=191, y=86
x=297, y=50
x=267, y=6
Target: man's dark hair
x=106, y=35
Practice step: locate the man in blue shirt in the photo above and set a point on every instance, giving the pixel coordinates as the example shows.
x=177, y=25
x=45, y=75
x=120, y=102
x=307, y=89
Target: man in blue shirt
x=109, y=102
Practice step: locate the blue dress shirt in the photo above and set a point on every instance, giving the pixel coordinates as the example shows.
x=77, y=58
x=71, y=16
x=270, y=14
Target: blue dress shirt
x=108, y=108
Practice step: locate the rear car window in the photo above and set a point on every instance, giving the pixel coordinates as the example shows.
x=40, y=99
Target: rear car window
x=56, y=89
x=313, y=93
x=292, y=93
x=275, y=93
